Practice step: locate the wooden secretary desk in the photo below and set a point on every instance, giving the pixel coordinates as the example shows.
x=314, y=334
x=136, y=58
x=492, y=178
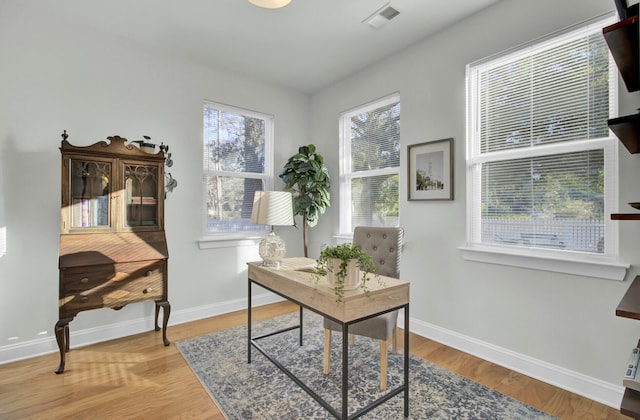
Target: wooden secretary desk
x=113, y=249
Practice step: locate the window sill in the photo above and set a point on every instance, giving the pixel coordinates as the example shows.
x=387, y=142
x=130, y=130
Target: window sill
x=574, y=263
x=343, y=238
x=229, y=241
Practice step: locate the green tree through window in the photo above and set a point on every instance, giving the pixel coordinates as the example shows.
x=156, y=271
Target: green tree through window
x=370, y=141
x=234, y=166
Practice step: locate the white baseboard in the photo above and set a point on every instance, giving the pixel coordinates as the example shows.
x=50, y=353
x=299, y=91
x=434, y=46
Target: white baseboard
x=594, y=389
x=586, y=386
x=80, y=338
x=207, y=311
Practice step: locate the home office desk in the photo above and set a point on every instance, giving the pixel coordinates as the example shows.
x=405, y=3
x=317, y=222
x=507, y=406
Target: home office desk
x=294, y=282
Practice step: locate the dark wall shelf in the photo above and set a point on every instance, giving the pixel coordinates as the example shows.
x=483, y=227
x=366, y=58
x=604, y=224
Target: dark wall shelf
x=629, y=306
x=623, y=40
x=627, y=129
x=625, y=216
x=630, y=405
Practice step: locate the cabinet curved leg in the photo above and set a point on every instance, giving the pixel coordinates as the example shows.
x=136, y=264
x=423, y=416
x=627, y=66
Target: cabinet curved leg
x=166, y=310
x=66, y=337
x=62, y=337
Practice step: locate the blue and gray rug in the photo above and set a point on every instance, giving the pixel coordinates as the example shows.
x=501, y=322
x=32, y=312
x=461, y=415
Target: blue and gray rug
x=261, y=391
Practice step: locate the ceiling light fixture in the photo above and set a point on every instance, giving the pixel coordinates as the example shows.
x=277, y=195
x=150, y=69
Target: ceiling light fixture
x=270, y=4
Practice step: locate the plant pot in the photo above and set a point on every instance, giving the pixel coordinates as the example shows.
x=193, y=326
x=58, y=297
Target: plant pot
x=351, y=279
x=148, y=147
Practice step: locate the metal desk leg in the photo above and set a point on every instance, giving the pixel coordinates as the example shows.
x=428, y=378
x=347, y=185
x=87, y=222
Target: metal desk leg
x=406, y=360
x=301, y=322
x=345, y=371
x=249, y=323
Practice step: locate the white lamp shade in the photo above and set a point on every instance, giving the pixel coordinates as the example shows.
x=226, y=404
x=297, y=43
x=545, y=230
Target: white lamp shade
x=272, y=208
x=270, y=4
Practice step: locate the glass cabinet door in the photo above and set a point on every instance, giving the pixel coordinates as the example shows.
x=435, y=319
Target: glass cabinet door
x=141, y=195
x=90, y=192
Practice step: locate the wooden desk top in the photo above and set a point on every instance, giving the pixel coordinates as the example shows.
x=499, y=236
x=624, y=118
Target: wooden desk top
x=295, y=281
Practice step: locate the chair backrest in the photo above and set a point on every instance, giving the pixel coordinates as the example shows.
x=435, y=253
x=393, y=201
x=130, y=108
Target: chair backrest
x=384, y=245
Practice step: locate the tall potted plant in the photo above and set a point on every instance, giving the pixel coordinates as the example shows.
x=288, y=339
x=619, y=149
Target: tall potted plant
x=307, y=178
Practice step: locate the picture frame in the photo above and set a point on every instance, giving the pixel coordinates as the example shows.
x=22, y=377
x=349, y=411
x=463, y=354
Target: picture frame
x=430, y=170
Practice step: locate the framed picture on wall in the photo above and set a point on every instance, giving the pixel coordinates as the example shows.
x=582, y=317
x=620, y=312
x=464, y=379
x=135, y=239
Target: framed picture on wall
x=431, y=170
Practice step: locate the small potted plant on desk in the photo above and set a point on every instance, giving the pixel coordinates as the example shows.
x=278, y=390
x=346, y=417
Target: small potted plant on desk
x=346, y=266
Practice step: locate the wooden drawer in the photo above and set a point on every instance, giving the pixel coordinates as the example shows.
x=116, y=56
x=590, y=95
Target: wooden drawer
x=110, y=286
x=79, y=279
x=145, y=284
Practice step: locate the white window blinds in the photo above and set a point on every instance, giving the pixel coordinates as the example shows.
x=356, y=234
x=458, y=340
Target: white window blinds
x=370, y=163
x=541, y=160
x=236, y=163
x=554, y=95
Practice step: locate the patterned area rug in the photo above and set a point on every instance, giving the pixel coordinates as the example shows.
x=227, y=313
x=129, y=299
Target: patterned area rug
x=261, y=391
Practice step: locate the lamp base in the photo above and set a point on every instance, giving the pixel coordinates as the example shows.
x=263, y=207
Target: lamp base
x=272, y=249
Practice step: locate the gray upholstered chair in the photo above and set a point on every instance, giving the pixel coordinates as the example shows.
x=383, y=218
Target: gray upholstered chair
x=384, y=245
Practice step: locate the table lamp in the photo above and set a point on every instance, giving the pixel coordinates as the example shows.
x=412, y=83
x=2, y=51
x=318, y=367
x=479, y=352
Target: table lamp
x=273, y=208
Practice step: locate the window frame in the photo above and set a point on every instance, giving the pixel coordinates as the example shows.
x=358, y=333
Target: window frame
x=238, y=238
x=563, y=261
x=346, y=175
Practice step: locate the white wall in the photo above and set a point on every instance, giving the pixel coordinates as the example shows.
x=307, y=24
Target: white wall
x=553, y=321
x=56, y=77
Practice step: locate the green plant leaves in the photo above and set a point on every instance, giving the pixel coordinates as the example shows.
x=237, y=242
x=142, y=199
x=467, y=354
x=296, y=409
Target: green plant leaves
x=346, y=252
x=306, y=176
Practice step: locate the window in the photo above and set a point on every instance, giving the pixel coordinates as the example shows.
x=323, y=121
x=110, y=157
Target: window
x=370, y=164
x=237, y=161
x=541, y=162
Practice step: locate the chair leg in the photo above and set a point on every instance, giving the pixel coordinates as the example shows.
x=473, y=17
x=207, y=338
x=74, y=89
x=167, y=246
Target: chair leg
x=327, y=351
x=352, y=339
x=394, y=343
x=383, y=365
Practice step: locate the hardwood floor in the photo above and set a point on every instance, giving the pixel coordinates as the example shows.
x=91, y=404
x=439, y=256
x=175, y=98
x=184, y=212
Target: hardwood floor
x=138, y=377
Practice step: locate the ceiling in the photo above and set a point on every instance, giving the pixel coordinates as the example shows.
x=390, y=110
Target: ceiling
x=306, y=45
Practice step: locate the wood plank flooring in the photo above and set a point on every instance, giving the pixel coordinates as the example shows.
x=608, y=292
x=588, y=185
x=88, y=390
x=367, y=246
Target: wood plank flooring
x=137, y=377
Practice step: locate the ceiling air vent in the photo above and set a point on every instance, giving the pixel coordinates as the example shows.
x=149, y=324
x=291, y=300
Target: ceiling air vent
x=380, y=17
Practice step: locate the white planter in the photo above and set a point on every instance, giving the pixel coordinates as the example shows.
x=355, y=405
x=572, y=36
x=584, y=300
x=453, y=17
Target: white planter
x=352, y=278
x=148, y=147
